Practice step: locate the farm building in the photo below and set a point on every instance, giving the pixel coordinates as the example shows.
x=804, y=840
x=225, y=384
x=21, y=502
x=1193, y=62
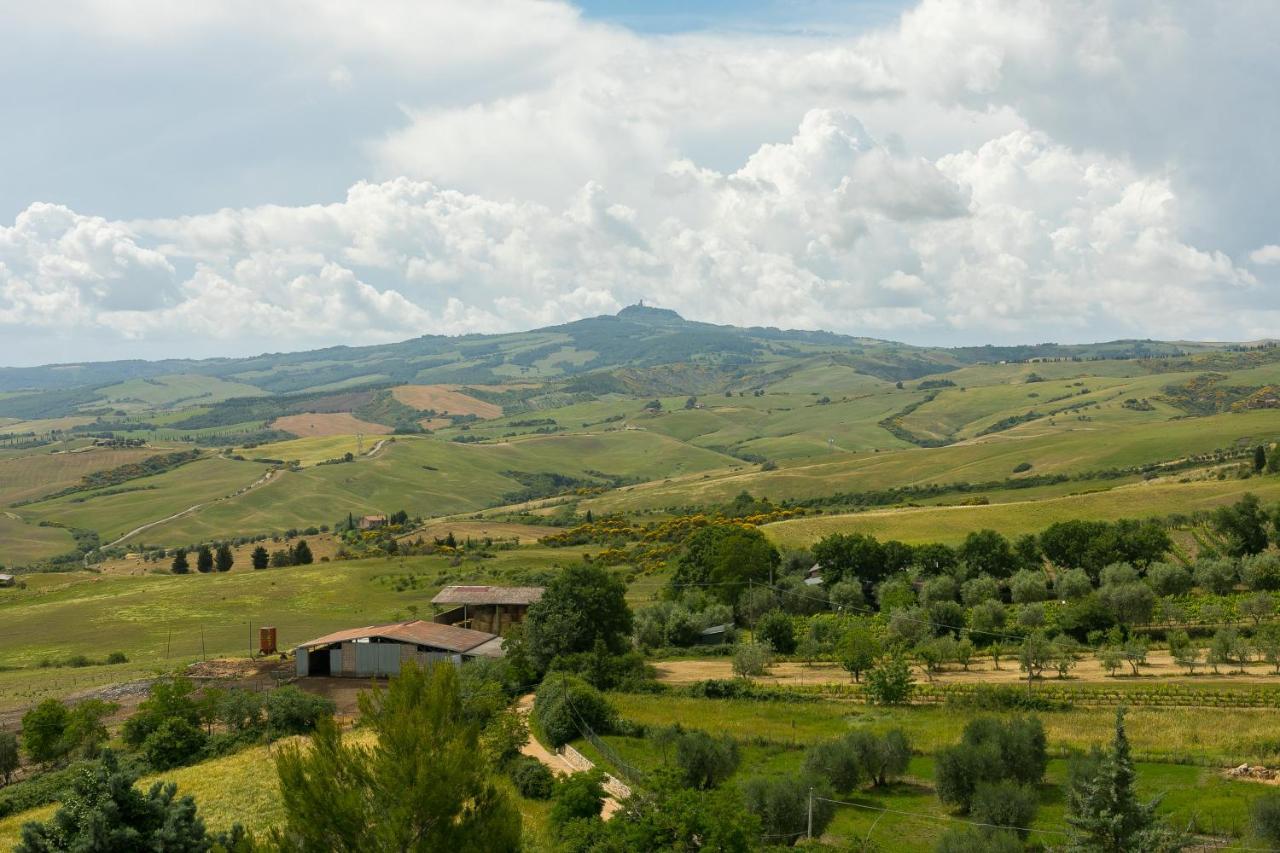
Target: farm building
x=486, y=608
x=372, y=522
x=7, y=580
x=381, y=649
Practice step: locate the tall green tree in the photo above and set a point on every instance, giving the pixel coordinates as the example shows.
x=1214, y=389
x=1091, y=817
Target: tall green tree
x=851, y=556
x=260, y=558
x=8, y=755
x=987, y=551
x=422, y=786
x=105, y=812
x=44, y=731
x=1103, y=811
x=582, y=604
x=204, y=559
x=223, y=560
x=1243, y=525
x=302, y=554
x=1259, y=458
x=726, y=559
x=180, y=565
x=857, y=650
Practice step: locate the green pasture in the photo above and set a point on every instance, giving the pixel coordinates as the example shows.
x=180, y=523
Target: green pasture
x=1068, y=448
x=22, y=543
x=147, y=499
x=161, y=620
x=950, y=524
x=429, y=477
x=1180, y=753
x=31, y=474
x=168, y=391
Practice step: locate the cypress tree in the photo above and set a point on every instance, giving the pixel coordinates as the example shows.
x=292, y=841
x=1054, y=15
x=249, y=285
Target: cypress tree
x=1259, y=458
x=180, y=564
x=1103, y=809
x=261, y=559
x=204, y=559
x=302, y=553
x=223, y=560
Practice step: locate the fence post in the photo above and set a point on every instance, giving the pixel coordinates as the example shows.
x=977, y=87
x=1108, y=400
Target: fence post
x=809, y=833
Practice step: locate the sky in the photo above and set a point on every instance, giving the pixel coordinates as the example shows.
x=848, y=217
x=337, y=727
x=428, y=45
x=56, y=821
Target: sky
x=224, y=179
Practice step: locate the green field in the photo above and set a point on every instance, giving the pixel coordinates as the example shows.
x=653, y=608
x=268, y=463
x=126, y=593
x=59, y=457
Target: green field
x=951, y=524
x=24, y=543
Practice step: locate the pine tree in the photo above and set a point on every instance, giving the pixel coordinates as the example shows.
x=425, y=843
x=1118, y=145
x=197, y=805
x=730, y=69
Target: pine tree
x=1259, y=458
x=590, y=517
x=104, y=811
x=432, y=791
x=223, y=560
x=1103, y=809
x=261, y=559
x=180, y=564
x=302, y=554
x=204, y=559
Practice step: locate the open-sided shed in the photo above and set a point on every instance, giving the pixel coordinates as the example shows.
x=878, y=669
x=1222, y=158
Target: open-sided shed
x=485, y=608
x=380, y=650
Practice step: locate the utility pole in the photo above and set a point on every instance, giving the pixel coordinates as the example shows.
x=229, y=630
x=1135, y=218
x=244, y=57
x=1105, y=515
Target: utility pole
x=809, y=833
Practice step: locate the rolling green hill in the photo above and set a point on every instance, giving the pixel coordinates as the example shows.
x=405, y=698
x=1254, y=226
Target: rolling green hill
x=643, y=412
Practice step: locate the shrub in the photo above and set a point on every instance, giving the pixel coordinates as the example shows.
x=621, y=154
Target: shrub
x=1005, y=803
x=782, y=804
x=174, y=743
x=705, y=761
x=532, y=778
x=970, y=840
x=1021, y=466
x=1028, y=585
x=846, y=595
x=1216, y=575
x=777, y=629
x=1261, y=572
x=44, y=730
x=890, y=682
x=563, y=703
x=1264, y=818
x=1072, y=583
x=980, y=589
x=577, y=798
x=835, y=761
x=291, y=711
x=1169, y=578
x=990, y=750
x=750, y=659
x=117, y=657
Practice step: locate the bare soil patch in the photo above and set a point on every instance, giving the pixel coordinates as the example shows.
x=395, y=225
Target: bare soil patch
x=445, y=398
x=312, y=424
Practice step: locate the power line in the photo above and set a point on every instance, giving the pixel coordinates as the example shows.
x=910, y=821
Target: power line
x=948, y=818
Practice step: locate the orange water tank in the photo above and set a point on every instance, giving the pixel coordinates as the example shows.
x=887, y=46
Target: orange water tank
x=266, y=641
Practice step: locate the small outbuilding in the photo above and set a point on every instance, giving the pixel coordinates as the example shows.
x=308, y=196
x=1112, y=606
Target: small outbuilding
x=380, y=650
x=486, y=608
x=8, y=580
x=372, y=522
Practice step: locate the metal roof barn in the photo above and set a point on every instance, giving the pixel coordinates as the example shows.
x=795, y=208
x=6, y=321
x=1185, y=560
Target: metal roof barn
x=380, y=650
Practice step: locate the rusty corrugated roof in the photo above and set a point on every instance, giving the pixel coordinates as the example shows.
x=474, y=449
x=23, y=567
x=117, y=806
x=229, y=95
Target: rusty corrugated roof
x=488, y=595
x=416, y=631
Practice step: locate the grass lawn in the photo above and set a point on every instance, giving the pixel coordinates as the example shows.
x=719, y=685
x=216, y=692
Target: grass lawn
x=164, y=620
x=773, y=736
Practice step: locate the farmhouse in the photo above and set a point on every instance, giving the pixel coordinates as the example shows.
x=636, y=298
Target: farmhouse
x=486, y=608
x=372, y=522
x=380, y=650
